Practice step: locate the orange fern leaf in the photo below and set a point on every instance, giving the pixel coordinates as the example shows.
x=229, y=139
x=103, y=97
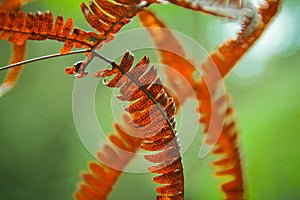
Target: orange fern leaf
x=12, y=76
x=99, y=181
x=165, y=42
x=228, y=162
x=17, y=52
x=152, y=117
x=109, y=16
x=228, y=54
x=18, y=27
x=225, y=58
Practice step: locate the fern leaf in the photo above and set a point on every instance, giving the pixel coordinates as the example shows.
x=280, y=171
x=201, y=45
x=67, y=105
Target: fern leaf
x=113, y=158
x=12, y=76
x=225, y=58
x=108, y=17
x=151, y=113
x=229, y=53
x=17, y=52
x=228, y=161
x=171, y=53
x=19, y=27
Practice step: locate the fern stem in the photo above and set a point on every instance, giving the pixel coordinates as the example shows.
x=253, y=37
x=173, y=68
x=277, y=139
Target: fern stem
x=107, y=60
x=44, y=58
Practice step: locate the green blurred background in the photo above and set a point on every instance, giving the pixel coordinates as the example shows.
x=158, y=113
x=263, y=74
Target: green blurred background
x=42, y=155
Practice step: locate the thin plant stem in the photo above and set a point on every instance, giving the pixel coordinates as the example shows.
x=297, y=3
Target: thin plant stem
x=104, y=58
x=43, y=58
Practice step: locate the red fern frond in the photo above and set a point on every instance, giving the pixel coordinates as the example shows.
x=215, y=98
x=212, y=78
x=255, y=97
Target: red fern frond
x=17, y=51
x=12, y=76
x=19, y=27
x=229, y=53
x=108, y=17
x=172, y=54
x=113, y=158
x=225, y=58
x=228, y=162
x=152, y=117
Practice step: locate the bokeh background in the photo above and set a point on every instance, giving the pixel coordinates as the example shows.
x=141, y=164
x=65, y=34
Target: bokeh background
x=41, y=155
